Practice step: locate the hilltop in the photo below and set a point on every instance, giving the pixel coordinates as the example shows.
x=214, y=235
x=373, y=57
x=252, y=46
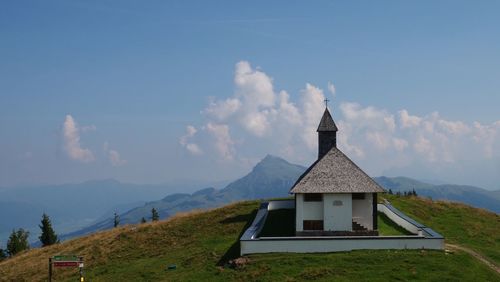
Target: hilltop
x=201, y=243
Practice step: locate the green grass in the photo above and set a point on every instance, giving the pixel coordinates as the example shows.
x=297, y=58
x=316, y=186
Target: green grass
x=475, y=228
x=200, y=244
x=387, y=227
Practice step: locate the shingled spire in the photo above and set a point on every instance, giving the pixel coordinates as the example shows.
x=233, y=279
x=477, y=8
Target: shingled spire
x=327, y=134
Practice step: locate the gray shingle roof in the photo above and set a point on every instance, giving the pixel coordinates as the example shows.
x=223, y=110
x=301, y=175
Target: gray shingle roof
x=327, y=123
x=335, y=173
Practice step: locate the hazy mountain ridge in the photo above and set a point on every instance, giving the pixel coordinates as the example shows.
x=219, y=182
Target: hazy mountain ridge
x=271, y=177
x=73, y=206
x=467, y=194
x=92, y=208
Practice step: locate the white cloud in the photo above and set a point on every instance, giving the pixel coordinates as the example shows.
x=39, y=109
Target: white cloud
x=223, y=109
x=312, y=110
x=71, y=142
x=407, y=120
x=192, y=148
x=223, y=142
x=262, y=120
x=399, y=144
x=113, y=156
x=331, y=88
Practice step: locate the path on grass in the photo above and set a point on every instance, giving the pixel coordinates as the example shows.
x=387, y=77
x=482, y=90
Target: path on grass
x=476, y=255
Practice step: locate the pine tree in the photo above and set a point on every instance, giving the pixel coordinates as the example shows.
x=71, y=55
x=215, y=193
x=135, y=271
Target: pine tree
x=18, y=241
x=154, y=215
x=3, y=254
x=143, y=220
x=414, y=192
x=390, y=191
x=48, y=236
x=116, y=220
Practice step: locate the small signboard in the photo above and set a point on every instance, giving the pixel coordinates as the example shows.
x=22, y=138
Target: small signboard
x=66, y=261
x=66, y=258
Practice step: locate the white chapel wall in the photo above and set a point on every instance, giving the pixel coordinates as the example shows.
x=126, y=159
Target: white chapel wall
x=299, y=208
x=313, y=211
x=362, y=211
x=337, y=212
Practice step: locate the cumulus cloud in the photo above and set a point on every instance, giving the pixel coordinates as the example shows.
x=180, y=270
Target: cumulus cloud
x=257, y=119
x=223, y=142
x=192, y=148
x=331, y=88
x=113, y=156
x=71, y=142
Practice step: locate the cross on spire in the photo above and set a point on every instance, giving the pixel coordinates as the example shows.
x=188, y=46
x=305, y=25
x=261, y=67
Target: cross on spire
x=326, y=102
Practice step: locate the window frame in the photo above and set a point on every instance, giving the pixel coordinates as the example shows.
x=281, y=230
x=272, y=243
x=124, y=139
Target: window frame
x=313, y=225
x=313, y=197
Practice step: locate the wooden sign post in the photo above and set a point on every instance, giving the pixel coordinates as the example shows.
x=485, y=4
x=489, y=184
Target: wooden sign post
x=66, y=261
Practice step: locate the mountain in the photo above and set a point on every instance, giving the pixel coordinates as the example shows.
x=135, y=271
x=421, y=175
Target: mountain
x=270, y=178
x=73, y=206
x=200, y=245
x=470, y=195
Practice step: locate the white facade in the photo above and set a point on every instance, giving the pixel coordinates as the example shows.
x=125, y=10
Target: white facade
x=336, y=210
x=251, y=243
x=362, y=211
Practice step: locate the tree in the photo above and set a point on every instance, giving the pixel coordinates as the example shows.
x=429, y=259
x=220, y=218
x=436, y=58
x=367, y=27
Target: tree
x=48, y=236
x=143, y=220
x=390, y=191
x=18, y=241
x=3, y=255
x=414, y=192
x=116, y=220
x=154, y=215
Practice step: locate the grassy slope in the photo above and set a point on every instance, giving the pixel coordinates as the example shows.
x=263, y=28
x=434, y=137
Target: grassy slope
x=198, y=242
x=475, y=228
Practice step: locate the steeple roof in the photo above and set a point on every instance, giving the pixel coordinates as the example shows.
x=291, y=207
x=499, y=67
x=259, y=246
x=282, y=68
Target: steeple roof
x=335, y=173
x=327, y=123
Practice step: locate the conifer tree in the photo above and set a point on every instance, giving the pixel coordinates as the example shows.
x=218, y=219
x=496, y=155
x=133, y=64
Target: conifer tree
x=18, y=241
x=116, y=220
x=154, y=215
x=48, y=236
x=3, y=254
x=143, y=220
x=390, y=191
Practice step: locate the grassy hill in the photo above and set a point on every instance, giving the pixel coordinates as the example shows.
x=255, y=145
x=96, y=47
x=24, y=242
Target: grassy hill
x=201, y=243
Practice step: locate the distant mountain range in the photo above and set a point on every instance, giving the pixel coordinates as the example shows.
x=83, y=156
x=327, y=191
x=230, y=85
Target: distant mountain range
x=74, y=206
x=470, y=195
x=270, y=178
x=273, y=177
x=89, y=207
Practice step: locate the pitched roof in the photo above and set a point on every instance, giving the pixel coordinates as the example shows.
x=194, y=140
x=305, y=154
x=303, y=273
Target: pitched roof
x=327, y=123
x=335, y=173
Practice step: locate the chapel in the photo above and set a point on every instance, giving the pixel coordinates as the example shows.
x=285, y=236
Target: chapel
x=334, y=196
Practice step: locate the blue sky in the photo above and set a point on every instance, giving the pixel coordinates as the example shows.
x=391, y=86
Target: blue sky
x=124, y=80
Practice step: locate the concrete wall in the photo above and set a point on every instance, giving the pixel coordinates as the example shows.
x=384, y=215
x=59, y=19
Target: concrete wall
x=337, y=212
x=324, y=245
x=313, y=211
x=399, y=220
x=251, y=243
x=299, y=208
x=362, y=211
